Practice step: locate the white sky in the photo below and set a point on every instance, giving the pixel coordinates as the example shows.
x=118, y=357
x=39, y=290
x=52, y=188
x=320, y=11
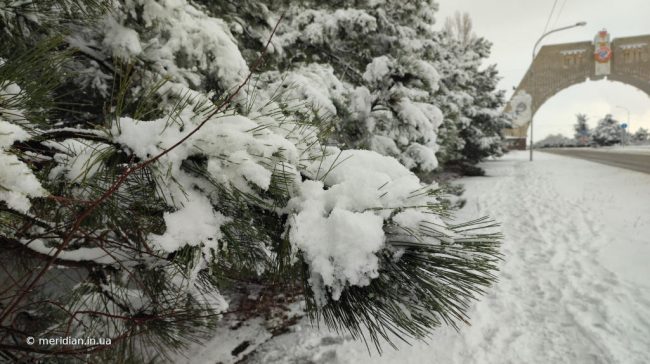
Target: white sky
x=514, y=26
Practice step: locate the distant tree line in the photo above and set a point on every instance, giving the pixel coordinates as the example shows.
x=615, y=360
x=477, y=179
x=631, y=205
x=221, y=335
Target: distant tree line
x=608, y=132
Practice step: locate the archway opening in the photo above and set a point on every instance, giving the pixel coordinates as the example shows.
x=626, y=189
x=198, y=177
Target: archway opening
x=595, y=99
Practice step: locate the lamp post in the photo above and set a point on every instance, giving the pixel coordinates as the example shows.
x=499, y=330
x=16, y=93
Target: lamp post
x=628, y=123
x=578, y=24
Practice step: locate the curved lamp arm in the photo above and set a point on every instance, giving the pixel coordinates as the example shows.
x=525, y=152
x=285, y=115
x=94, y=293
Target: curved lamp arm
x=579, y=24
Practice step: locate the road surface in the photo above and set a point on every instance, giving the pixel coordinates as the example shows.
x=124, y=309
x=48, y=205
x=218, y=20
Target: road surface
x=629, y=160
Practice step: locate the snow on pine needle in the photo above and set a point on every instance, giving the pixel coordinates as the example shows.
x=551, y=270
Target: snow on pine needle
x=171, y=182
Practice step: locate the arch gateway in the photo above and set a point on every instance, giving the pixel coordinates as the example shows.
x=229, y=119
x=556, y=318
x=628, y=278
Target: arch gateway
x=559, y=66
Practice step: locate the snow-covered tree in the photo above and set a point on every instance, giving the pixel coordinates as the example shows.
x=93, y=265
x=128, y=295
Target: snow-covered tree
x=642, y=135
x=471, y=103
x=483, y=136
x=582, y=130
x=150, y=183
x=607, y=132
x=380, y=65
x=366, y=63
x=556, y=141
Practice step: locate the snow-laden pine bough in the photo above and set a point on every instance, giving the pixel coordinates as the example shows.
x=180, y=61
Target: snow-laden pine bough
x=254, y=199
x=149, y=224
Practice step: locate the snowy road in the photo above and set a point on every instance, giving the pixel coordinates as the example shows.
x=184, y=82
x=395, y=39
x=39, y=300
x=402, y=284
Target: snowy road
x=635, y=160
x=574, y=286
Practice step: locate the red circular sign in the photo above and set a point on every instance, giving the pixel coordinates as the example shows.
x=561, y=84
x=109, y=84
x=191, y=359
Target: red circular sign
x=603, y=54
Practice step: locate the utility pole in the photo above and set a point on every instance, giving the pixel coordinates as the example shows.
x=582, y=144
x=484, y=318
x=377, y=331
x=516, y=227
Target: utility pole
x=579, y=24
x=625, y=138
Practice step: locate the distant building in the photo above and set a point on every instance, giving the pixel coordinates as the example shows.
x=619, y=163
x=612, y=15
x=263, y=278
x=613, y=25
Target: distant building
x=514, y=143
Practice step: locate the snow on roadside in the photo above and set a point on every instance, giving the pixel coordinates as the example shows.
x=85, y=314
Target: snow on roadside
x=574, y=284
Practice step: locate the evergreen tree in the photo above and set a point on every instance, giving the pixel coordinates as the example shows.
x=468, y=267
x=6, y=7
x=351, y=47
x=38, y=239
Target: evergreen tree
x=483, y=136
x=642, y=135
x=470, y=101
x=556, y=141
x=582, y=130
x=607, y=132
x=371, y=65
x=149, y=183
x=387, y=74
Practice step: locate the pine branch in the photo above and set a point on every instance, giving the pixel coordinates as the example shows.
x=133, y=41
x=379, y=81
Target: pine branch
x=120, y=181
x=17, y=245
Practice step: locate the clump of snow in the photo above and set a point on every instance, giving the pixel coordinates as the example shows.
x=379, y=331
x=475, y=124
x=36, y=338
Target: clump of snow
x=17, y=182
x=148, y=138
x=361, y=180
x=427, y=72
x=360, y=103
x=250, y=170
x=378, y=69
x=78, y=159
x=123, y=42
x=413, y=142
x=181, y=42
x=340, y=245
x=8, y=91
x=410, y=218
x=10, y=133
x=317, y=85
x=97, y=255
x=420, y=156
x=320, y=26
x=239, y=154
x=423, y=117
x=194, y=223
x=384, y=146
x=341, y=228
x=314, y=89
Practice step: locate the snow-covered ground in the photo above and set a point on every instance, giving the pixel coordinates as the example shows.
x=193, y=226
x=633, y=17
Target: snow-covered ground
x=574, y=284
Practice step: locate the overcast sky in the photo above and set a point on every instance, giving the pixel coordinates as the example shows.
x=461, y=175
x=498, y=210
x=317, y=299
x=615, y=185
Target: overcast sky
x=515, y=25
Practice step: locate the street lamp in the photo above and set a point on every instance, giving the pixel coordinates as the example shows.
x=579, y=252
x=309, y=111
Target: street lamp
x=578, y=24
x=628, y=122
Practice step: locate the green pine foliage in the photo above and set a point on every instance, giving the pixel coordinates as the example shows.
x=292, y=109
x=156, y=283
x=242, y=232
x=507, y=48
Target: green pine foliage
x=582, y=130
x=471, y=102
x=85, y=251
x=642, y=135
x=427, y=287
x=608, y=131
x=375, y=61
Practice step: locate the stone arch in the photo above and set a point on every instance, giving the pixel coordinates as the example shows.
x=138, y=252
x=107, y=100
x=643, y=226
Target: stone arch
x=557, y=67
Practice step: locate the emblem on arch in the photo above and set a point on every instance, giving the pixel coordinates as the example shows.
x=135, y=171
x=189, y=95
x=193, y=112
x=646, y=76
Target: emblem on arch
x=603, y=54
